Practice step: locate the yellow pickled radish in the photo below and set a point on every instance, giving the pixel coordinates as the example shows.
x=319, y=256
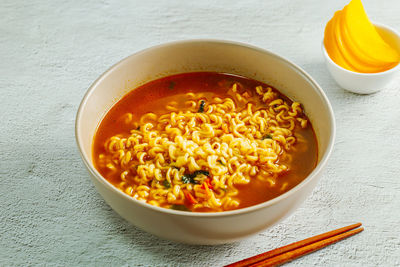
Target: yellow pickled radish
x=345, y=54
x=365, y=36
x=331, y=47
x=359, y=54
x=359, y=61
x=352, y=42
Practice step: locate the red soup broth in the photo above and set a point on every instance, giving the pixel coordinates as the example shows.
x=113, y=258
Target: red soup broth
x=154, y=96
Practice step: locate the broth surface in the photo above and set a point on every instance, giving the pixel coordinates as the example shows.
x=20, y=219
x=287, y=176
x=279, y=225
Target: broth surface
x=124, y=117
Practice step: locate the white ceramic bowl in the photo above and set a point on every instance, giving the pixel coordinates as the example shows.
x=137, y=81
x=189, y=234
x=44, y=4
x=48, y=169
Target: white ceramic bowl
x=365, y=83
x=204, y=55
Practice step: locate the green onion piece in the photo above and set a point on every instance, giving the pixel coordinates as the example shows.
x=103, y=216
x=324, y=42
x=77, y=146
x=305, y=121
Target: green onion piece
x=166, y=184
x=267, y=136
x=202, y=104
x=189, y=177
x=206, y=173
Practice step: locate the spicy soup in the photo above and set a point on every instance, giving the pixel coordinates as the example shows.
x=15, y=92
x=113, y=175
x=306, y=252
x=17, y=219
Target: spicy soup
x=205, y=142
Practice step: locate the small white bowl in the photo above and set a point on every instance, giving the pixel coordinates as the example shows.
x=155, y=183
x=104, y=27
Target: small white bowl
x=204, y=55
x=365, y=83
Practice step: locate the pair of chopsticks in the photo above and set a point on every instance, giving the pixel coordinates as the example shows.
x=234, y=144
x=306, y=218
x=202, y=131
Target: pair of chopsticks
x=295, y=250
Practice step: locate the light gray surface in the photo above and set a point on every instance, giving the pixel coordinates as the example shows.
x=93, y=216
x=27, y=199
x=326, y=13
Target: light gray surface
x=50, y=53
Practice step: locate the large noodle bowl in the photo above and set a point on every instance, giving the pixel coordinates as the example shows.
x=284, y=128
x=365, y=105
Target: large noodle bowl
x=205, y=142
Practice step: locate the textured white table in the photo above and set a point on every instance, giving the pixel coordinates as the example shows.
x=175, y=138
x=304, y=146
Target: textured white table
x=51, y=51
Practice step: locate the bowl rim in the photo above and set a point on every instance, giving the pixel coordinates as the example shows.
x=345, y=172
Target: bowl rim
x=363, y=74
x=313, y=175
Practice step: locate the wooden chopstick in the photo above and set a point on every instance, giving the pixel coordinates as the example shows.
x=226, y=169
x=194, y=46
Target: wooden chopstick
x=292, y=251
x=291, y=255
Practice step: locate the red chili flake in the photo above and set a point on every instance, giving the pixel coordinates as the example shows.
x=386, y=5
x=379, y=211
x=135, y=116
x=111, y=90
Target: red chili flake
x=208, y=182
x=190, y=197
